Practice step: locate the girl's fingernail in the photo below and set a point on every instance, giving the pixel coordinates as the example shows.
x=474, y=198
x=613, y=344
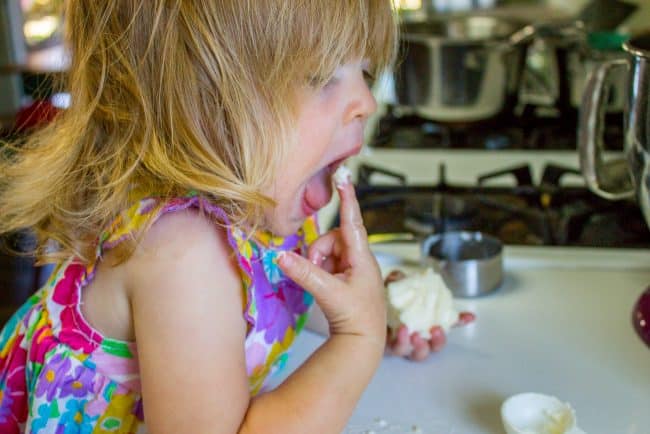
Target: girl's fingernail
x=284, y=258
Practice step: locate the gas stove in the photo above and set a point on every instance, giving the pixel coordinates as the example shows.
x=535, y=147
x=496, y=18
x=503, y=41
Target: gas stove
x=547, y=213
x=517, y=179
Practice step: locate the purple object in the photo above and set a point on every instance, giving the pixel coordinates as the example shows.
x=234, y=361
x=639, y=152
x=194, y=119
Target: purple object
x=641, y=317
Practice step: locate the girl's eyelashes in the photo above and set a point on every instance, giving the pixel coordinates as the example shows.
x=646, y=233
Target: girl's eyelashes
x=330, y=82
x=322, y=82
x=326, y=82
x=368, y=78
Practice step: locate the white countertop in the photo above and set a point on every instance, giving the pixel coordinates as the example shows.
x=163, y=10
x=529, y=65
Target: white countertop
x=559, y=325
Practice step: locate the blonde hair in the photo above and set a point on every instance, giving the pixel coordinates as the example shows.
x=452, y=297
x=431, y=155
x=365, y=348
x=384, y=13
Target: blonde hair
x=177, y=96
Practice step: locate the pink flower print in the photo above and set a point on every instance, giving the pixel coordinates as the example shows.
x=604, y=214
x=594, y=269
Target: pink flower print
x=13, y=396
x=97, y=398
x=75, y=332
x=42, y=343
x=13, y=366
x=52, y=376
x=79, y=383
x=245, y=265
x=66, y=291
x=117, y=367
x=255, y=357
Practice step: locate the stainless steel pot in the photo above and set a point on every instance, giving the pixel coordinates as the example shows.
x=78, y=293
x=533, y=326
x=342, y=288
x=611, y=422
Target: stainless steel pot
x=470, y=262
x=555, y=64
x=462, y=68
x=560, y=60
x=629, y=176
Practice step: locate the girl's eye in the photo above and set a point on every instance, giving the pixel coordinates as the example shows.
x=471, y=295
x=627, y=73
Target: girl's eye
x=368, y=78
x=322, y=82
x=330, y=82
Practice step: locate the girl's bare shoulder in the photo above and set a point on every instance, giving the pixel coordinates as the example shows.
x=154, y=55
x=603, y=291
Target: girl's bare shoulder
x=180, y=241
x=179, y=247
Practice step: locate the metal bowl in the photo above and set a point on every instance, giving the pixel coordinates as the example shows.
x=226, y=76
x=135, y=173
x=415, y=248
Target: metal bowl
x=470, y=262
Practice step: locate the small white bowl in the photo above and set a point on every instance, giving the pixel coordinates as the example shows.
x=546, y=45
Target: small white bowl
x=533, y=413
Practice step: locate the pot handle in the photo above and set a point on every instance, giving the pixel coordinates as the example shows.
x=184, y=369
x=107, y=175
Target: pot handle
x=608, y=179
x=426, y=259
x=567, y=29
x=522, y=36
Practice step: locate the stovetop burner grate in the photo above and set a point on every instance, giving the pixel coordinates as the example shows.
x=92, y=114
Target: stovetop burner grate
x=525, y=214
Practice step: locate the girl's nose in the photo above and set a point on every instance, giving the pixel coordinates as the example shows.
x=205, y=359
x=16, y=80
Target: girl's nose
x=362, y=103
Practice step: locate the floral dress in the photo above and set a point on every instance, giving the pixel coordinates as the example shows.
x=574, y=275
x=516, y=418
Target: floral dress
x=59, y=375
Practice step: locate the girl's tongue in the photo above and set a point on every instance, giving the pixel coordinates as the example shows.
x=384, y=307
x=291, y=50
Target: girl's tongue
x=318, y=192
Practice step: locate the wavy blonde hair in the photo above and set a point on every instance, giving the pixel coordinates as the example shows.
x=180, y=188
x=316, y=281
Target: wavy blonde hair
x=175, y=95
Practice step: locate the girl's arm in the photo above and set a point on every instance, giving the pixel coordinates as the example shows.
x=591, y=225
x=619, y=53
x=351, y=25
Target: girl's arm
x=186, y=301
x=187, y=305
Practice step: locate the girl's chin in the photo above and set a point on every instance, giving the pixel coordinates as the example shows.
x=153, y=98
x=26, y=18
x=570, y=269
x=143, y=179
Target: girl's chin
x=284, y=225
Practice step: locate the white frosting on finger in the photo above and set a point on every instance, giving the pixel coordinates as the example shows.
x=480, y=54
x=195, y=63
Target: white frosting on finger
x=420, y=301
x=342, y=176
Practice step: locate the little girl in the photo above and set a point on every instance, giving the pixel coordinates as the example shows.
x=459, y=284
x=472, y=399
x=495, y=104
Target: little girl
x=197, y=129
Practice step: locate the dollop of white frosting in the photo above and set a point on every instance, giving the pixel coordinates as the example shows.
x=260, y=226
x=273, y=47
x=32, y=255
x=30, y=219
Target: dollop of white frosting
x=342, y=176
x=420, y=301
x=558, y=422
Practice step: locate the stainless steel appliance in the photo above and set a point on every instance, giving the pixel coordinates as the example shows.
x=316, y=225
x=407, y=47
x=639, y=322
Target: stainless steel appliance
x=622, y=177
x=470, y=68
x=461, y=68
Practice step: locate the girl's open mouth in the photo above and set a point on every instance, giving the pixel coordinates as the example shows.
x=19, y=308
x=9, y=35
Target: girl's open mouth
x=318, y=191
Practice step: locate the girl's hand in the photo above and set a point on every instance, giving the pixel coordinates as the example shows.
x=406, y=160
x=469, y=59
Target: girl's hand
x=412, y=345
x=348, y=288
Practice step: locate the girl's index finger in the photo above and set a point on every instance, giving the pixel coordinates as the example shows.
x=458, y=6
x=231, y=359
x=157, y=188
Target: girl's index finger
x=352, y=229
